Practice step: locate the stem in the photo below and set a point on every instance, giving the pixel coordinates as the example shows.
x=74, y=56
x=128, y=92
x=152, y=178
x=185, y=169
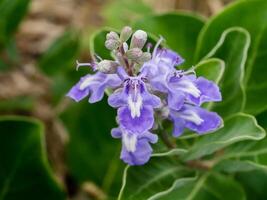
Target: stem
x=127, y=65
x=167, y=141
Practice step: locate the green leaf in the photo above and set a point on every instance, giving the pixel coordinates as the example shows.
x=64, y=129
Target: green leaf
x=237, y=128
x=254, y=183
x=61, y=55
x=119, y=13
x=11, y=14
x=212, y=69
x=232, y=47
x=163, y=178
x=256, y=24
x=142, y=182
x=97, y=44
x=24, y=169
x=92, y=154
x=207, y=187
x=179, y=29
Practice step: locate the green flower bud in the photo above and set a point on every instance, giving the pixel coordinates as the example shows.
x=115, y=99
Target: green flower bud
x=126, y=33
x=139, y=39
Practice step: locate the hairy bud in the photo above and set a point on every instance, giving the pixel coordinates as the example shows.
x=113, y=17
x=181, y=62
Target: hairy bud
x=107, y=66
x=112, y=44
x=139, y=39
x=134, y=54
x=144, y=57
x=112, y=36
x=126, y=33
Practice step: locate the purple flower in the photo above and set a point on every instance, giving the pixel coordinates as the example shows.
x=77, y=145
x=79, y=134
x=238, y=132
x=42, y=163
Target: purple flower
x=136, y=149
x=142, y=83
x=135, y=103
x=94, y=85
x=194, y=118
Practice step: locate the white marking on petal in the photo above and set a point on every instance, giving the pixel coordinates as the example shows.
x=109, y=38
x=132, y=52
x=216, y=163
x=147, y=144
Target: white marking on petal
x=129, y=142
x=191, y=116
x=135, y=105
x=188, y=87
x=86, y=82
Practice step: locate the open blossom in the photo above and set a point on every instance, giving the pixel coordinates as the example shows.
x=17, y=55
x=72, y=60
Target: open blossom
x=142, y=83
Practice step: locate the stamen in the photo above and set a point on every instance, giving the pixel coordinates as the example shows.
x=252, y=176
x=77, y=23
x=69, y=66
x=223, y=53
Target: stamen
x=157, y=46
x=148, y=47
x=98, y=57
x=78, y=65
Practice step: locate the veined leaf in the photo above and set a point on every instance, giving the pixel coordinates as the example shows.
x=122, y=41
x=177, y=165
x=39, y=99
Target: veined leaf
x=256, y=24
x=232, y=47
x=236, y=128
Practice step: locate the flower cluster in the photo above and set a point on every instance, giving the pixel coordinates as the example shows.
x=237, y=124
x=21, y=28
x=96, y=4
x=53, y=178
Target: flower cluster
x=142, y=84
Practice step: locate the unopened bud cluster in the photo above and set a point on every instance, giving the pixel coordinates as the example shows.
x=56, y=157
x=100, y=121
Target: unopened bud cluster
x=128, y=54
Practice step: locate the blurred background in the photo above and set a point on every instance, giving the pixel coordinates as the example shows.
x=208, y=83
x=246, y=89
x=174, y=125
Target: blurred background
x=40, y=40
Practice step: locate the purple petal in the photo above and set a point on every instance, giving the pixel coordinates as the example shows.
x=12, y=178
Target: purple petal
x=116, y=133
x=150, y=99
x=169, y=57
x=176, y=100
x=94, y=85
x=140, y=156
x=76, y=94
x=137, y=124
x=117, y=99
x=209, y=92
x=211, y=120
x=178, y=127
x=152, y=138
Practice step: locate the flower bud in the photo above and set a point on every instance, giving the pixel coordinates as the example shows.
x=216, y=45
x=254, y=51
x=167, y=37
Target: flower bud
x=144, y=57
x=126, y=33
x=139, y=39
x=107, y=66
x=112, y=36
x=111, y=44
x=134, y=54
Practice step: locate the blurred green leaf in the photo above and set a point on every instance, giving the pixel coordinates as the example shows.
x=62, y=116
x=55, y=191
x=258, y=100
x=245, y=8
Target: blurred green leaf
x=232, y=47
x=118, y=13
x=254, y=183
x=92, y=154
x=25, y=103
x=11, y=14
x=97, y=44
x=242, y=13
x=179, y=29
x=237, y=128
x=24, y=169
x=61, y=55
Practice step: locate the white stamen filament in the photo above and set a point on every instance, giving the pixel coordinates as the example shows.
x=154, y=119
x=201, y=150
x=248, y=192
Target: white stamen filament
x=191, y=116
x=129, y=142
x=82, y=65
x=157, y=46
